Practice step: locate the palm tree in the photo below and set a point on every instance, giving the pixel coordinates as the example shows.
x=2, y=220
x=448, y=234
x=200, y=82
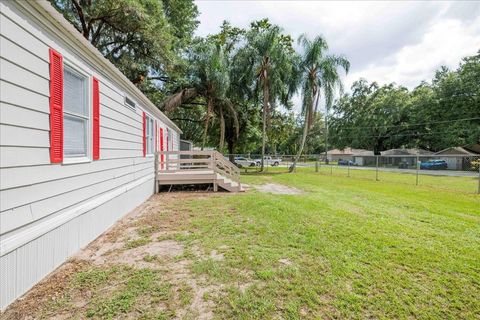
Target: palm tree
x=268, y=60
x=209, y=78
x=319, y=72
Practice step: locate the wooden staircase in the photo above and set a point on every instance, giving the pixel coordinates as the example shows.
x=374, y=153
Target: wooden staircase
x=196, y=167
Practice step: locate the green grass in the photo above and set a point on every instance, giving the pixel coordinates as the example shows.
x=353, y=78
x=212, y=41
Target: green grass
x=130, y=244
x=346, y=248
x=462, y=184
x=355, y=247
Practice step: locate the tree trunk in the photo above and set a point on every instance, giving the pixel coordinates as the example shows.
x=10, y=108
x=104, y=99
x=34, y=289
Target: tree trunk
x=302, y=144
x=308, y=122
x=207, y=120
x=326, y=135
x=264, y=119
x=222, y=130
x=231, y=149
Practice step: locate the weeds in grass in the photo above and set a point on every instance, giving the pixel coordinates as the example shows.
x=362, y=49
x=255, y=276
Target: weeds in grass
x=135, y=243
x=149, y=258
x=146, y=231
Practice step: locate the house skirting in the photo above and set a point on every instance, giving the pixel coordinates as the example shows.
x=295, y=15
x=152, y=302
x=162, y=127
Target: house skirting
x=23, y=266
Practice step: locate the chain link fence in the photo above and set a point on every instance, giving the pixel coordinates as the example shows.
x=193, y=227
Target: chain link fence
x=459, y=172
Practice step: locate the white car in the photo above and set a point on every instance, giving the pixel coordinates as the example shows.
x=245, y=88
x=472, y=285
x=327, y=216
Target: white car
x=269, y=161
x=244, y=162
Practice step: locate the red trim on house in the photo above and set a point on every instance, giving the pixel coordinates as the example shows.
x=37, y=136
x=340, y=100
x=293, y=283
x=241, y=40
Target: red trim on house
x=96, y=120
x=56, y=106
x=144, y=135
x=162, y=156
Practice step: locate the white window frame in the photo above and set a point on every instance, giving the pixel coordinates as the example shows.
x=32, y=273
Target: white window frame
x=150, y=135
x=88, y=125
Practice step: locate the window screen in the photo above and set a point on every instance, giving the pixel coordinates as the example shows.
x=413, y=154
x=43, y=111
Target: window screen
x=75, y=114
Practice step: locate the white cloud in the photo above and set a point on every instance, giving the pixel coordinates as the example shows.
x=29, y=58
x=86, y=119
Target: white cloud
x=402, y=42
x=445, y=43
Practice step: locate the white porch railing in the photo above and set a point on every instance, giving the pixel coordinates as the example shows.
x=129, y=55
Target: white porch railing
x=195, y=161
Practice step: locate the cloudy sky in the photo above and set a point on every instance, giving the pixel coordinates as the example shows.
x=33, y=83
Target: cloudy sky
x=402, y=42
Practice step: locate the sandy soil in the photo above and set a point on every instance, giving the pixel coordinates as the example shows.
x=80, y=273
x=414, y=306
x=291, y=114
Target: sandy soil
x=277, y=189
x=148, y=231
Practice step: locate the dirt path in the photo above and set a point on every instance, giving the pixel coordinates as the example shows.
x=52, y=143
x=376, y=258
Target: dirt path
x=276, y=188
x=136, y=269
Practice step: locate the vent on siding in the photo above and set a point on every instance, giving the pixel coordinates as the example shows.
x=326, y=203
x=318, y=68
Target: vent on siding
x=129, y=103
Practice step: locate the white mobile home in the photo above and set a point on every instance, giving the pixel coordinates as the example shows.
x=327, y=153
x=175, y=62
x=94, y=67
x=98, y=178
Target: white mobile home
x=76, y=145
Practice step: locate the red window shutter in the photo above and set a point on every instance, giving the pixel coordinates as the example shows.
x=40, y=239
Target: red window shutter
x=56, y=107
x=162, y=156
x=96, y=120
x=144, y=135
x=161, y=139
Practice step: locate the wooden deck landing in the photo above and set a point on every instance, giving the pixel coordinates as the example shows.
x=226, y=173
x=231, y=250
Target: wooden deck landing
x=197, y=167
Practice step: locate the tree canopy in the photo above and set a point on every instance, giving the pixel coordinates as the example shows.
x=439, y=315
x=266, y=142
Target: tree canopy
x=433, y=116
x=233, y=90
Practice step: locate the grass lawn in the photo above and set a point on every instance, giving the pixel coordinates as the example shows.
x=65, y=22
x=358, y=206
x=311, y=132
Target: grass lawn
x=353, y=249
x=345, y=248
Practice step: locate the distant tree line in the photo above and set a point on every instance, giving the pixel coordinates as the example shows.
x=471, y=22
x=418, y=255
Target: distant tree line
x=433, y=116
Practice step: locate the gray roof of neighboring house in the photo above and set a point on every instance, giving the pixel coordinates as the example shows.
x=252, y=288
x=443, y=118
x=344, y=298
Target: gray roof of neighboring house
x=467, y=150
x=405, y=152
x=364, y=153
x=347, y=151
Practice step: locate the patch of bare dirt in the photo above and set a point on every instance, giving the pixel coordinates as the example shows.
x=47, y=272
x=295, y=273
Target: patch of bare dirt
x=154, y=250
x=214, y=255
x=142, y=239
x=276, y=188
x=285, y=262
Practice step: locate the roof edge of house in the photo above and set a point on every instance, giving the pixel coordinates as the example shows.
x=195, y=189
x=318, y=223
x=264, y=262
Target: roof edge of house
x=74, y=39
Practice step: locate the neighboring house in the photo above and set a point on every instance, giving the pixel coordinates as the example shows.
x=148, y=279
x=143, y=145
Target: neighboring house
x=344, y=154
x=364, y=158
x=395, y=157
x=76, y=145
x=459, y=158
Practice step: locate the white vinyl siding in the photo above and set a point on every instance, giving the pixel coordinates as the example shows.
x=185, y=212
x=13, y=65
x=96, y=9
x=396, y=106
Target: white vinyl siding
x=49, y=211
x=75, y=114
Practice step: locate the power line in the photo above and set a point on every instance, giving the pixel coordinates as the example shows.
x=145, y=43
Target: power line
x=413, y=134
x=409, y=125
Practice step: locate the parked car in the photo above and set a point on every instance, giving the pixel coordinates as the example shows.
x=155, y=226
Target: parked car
x=244, y=162
x=269, y=161
x=434, y=165
x=347, y=163
x=403, y=165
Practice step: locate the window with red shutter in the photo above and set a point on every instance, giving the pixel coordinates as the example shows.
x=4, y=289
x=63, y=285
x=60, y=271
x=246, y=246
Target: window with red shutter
x=96, y=120
x=144, y=135
x=56, y=107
